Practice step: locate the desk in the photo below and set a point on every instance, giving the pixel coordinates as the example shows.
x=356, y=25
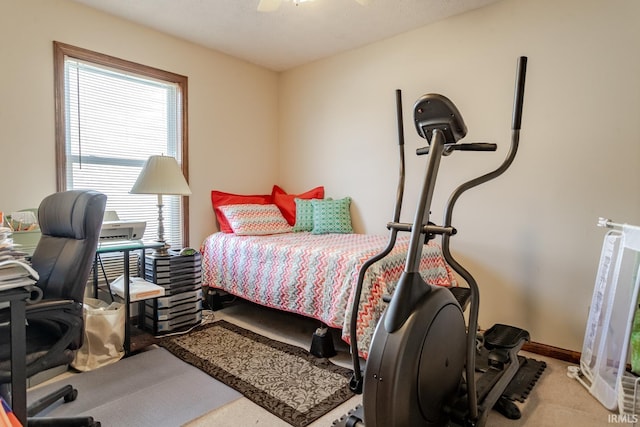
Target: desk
x=124, y=246
x=17, y=298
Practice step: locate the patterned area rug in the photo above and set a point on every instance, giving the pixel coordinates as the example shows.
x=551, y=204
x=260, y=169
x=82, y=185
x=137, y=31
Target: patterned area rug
x=284, y=379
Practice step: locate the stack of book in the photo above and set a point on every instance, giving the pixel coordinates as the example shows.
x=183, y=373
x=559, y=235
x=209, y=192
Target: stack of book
x=181, y=306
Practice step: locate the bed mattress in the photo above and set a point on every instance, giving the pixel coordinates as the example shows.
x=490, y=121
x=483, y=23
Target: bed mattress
x=316, y=275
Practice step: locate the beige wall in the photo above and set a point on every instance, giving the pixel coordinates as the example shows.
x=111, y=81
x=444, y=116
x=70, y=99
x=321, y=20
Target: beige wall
x=223, y=93
x=530, y=236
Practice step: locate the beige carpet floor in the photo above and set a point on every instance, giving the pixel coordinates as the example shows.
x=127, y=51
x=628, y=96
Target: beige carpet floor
x=556, y=400
x=146, y=389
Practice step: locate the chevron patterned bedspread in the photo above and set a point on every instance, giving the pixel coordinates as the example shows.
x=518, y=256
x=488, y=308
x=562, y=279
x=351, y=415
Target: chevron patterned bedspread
x=315, y=275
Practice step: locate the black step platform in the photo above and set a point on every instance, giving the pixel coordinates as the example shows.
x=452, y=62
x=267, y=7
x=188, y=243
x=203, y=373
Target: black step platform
x=353, y=418
x=525, y=379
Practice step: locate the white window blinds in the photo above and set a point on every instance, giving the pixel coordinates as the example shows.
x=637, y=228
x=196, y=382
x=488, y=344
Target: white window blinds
x=115, y=120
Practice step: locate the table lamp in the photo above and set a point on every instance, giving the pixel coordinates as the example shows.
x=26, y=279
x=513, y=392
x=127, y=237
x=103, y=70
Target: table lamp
x=161, y=175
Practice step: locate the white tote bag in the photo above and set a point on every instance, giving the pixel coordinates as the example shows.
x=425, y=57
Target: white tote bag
x=103, y=335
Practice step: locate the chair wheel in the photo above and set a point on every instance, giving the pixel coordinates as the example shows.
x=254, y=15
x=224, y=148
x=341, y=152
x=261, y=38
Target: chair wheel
x=71, y=396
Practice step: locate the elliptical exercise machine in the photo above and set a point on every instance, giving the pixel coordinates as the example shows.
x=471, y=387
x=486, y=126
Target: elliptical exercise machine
x=421, y=369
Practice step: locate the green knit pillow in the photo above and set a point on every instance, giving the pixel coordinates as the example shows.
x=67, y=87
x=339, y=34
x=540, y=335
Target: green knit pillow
x=331, y=216
x=304, y=215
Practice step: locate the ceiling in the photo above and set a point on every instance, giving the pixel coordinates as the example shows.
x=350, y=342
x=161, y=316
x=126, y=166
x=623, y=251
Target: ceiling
x=292, y=35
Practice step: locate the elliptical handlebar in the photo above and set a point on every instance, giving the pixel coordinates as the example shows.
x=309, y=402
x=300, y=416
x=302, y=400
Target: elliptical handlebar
x=515, y=139
x=356, y=382
x=401, y=172
x=518, y=100
x=473, y=146
x=466, y=275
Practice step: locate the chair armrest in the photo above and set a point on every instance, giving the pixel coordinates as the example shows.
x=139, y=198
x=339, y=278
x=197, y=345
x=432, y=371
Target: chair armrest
x=42, y=308
x=62, y=311
x=51, y=304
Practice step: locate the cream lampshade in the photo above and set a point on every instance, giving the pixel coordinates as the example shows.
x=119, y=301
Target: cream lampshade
x=161, y=175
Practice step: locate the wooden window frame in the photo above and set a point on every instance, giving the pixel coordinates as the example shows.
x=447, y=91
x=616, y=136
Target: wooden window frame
x=63, y=50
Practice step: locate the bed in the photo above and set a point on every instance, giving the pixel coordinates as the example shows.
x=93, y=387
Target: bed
x=315, y=274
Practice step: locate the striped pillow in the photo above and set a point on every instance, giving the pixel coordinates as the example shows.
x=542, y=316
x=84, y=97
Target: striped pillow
x=255, y=220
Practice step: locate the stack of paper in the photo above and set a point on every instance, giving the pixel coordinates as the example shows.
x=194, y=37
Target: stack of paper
x=16, y=273
x=6, y=243
x=139, y=288
x=19, y=274
x=7, y=248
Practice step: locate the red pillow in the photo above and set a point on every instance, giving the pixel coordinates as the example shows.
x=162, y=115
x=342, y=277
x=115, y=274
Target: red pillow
x=287, y=204
x=219, y=198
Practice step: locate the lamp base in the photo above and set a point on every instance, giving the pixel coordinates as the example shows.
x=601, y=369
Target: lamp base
x=162, y=250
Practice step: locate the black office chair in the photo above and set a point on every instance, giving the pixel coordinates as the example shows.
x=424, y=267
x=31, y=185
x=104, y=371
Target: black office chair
x=70, y=222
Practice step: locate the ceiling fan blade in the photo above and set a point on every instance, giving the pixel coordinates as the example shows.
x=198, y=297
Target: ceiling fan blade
x=268, y=5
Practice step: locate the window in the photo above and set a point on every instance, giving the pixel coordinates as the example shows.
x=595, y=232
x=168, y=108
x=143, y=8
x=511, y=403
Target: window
x=111, y=115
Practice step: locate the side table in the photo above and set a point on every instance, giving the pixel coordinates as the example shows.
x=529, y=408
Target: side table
x=124, y=246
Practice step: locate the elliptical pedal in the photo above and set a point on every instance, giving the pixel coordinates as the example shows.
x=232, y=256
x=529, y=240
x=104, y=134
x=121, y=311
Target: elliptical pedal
x=501, y=336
